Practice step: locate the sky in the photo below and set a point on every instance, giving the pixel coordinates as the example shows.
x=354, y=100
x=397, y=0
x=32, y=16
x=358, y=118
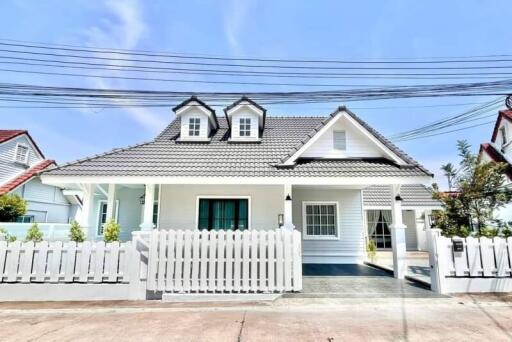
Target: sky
x=282, y=29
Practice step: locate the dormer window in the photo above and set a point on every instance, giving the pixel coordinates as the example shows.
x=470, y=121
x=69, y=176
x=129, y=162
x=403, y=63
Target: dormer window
x=246, y=120
x=21, y=154
x=245, y=127
x=194, y=127
x=198, y=120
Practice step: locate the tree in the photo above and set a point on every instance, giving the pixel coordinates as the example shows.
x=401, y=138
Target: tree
x=76, y=232
x=479, y=190
x=111, y=231
x=11, y=206
x=450, y=173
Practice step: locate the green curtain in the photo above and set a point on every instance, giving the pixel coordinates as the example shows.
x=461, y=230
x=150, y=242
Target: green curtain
x=242, y=214
x=204, y=207
x=225, y=214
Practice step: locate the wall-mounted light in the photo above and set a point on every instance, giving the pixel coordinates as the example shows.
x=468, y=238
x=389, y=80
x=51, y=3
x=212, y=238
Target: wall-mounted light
x=288, y=197
x=142, y=199
x=280, y=220
x=398, y=198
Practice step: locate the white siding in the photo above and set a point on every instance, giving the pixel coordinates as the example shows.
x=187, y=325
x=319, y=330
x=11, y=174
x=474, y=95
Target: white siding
x=178, y=204
x=235, y=124
x=358, y=145
x=8, y=168
x=349, y=248
x=507, y=149
x=204, y=131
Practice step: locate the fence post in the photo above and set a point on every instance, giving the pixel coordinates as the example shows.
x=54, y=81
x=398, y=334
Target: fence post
x=437, y=275
x=137, y=261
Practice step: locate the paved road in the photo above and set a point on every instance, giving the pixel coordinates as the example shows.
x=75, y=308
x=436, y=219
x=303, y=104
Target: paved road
x=298, y=319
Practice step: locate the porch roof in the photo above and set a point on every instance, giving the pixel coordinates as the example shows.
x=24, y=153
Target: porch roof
x=167, y=157
x=413, y=195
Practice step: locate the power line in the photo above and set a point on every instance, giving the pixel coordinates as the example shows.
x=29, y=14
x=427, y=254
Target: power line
x=77, y=48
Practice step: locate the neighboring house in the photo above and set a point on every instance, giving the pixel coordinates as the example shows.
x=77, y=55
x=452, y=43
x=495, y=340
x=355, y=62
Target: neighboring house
x=417, y=205
x=247, y=170
x=500, y=150
x=21, y=160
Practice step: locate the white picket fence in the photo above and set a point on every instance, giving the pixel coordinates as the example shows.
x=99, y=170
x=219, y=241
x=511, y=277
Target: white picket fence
x=484, y=265
x=225, y=261
x=68, y=262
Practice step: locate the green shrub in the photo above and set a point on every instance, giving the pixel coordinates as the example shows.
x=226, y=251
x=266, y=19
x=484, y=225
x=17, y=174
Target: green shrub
x=76, y=233
x=8, y=237
x=506, y=232
x=451, y=231
x=111, y=231
x=11, y=206
x=371, y=249
x=34, y=234
x=488, y=232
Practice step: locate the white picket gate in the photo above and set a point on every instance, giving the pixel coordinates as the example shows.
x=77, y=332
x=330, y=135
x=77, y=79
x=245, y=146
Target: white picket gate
x=64, y=262
x=484, y=264
x=225, y=261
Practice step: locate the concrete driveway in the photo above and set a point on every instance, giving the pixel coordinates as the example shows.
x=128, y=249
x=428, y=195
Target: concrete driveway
x=356, y=281
x=347, y=319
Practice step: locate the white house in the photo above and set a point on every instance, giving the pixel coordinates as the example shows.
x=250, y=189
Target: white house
x=21, y=160
x=247, y=170
x=499, y=149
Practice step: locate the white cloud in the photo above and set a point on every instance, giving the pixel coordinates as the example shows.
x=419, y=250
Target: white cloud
x=122, y=28
x=234, y=18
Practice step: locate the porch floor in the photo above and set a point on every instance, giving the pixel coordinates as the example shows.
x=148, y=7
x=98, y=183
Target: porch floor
x=356, y=281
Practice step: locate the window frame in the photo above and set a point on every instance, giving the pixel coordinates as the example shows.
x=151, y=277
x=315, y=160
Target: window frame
x=249, y=211
x=247, y=129
x=337, y=220
x=334, y=140
x=383, y=236
x=18, y=145
x=98, y=210
x=196, y=123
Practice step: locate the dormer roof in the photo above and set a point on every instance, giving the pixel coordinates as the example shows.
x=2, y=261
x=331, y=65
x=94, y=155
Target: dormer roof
x=244, y=100
x=194, y=101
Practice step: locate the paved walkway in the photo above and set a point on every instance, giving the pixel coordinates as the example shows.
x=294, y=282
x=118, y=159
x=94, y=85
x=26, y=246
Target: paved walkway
x=417, y=264
x=356, y=281
x=405, y=319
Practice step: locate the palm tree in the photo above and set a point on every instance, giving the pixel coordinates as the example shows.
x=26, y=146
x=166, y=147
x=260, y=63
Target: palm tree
x=450, y=173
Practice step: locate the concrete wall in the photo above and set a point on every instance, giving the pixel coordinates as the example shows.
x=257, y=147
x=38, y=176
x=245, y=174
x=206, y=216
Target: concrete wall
x=349, y=248
x=178, y=203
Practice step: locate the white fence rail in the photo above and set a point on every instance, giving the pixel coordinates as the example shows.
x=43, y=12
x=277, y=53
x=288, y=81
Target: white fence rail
x=51, y=231
x=482, y=264
x=225, y=261
x=68, y=262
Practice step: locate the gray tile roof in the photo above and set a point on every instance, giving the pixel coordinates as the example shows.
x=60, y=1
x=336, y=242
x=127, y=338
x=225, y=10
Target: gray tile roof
x=412, y=196
x=220, y=158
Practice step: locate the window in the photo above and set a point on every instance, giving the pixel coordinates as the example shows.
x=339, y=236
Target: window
x=221, y=214
x=21, y=154
x=320, y=220
x=102, y=215
x=340, y=140
x=25, y=219
x=245, y=127
x=194, y=125
x=378, y=227
x=503, y=135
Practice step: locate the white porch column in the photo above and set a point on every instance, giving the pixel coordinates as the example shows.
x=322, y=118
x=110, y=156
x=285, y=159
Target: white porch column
x=149, y=198
x=288, y=217
x=87, y=206
x=397, y=234
x=111, y=201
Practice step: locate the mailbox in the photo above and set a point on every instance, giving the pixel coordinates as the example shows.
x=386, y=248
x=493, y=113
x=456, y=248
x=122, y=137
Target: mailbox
x=458, y=246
